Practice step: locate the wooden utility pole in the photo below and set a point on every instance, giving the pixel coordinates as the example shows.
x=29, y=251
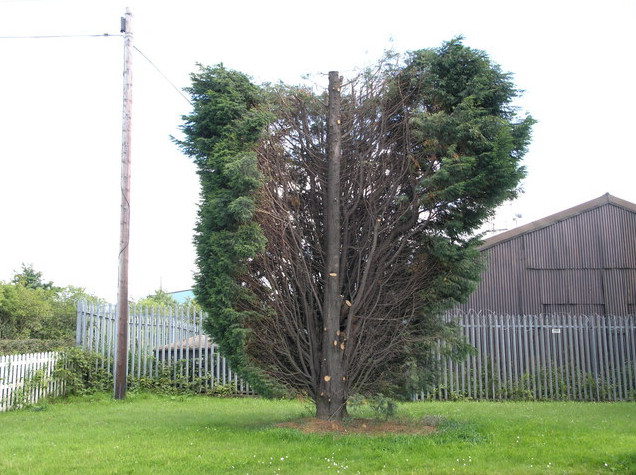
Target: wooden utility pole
x=121, y=353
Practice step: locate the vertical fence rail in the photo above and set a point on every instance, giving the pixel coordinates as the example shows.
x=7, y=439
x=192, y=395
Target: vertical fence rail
x=160, y=340
x=27, y=378
x=575, y=357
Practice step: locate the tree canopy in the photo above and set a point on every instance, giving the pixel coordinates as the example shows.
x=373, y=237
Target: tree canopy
x=34, y=309
x=160, y=298
x=389, y=174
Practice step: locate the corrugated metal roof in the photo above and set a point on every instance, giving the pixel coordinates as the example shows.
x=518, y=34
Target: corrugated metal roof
x=560, y=216
x=579, y=261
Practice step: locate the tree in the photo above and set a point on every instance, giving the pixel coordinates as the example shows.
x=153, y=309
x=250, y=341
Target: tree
x=31, y=308
x=23, y=311
x=333, y=229
x=160, y=298
x=31, y=279
x=62, y=324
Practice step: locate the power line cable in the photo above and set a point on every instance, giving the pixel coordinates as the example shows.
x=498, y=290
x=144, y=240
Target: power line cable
x=100, y=36
x=39, y=37
x=163, y=75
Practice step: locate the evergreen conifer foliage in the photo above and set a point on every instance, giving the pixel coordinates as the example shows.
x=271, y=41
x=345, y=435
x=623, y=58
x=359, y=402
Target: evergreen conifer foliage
x=428, y=149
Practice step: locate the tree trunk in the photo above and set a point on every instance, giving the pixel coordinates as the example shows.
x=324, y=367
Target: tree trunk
x=331, y=401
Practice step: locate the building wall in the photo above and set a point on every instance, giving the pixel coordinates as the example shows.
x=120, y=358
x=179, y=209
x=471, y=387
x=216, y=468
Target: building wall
x=583, y=264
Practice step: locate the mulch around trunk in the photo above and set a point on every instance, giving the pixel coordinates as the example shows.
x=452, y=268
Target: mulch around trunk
x=311, y=425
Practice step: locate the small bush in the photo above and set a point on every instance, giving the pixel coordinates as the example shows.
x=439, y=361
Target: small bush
x=176, y=379
x=85, y=372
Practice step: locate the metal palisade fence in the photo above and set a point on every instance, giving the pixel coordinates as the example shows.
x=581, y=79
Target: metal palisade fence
x=27, y=378
x=574, y=357
x=162, y=341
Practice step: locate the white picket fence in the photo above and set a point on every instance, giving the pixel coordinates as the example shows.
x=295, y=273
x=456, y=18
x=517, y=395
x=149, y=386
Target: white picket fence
x=27, y=378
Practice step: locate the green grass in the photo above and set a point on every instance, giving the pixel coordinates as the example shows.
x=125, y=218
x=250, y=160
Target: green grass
x=185, y=435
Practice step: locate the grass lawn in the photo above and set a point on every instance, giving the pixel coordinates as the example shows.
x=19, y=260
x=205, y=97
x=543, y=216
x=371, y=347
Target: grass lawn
x=185, y=435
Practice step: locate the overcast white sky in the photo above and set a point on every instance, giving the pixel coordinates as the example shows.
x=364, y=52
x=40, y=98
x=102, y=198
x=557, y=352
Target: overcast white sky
x=61, y=101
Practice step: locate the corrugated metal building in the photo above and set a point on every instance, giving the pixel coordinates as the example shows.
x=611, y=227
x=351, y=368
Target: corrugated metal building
x=581, y=261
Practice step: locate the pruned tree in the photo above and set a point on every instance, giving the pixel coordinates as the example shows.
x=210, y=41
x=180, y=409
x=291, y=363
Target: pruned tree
x=335, y=227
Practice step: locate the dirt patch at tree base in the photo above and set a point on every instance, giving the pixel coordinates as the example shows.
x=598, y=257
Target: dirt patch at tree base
x=311, y=425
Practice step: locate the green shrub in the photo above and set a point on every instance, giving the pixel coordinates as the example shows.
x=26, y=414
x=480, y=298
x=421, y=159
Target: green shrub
x=175, y=378
x=18, y=347
x=85, y=372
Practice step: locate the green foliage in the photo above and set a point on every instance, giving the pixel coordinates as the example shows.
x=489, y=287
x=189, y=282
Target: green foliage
x=33, y=309
x=16, y=347
x=31, y=279
x=160, y=298
x=458, y=265
x=61, y=324
x=23, y=310
x=175, y=379
x=220, y=133
x=85, y=372
x=467, y=131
